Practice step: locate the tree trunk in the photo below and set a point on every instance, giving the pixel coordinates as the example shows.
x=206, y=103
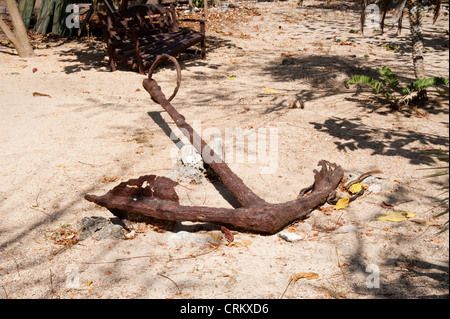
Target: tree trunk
x=416, y=10
x=18, y=37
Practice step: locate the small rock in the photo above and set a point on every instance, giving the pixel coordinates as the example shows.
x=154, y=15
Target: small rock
x=346, y=229
x=183, y=237
x=374, y=188
x=99, y=228
x=290, y=237
x=131, y=235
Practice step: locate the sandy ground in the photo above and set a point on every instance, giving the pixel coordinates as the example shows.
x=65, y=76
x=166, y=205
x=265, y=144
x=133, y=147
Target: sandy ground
x=96, y=128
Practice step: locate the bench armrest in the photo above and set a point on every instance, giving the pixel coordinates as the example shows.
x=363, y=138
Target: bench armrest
x=193, y=20
x=202, y=23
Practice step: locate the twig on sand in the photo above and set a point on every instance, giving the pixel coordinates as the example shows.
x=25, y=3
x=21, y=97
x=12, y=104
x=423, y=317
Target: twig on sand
x=194, y=256
x=179, y=290
x=286, y=287
x=6, y=293
x=40, y=210
x=51, y=282
x=339, y=263
x=113, y=261
x=92, y=165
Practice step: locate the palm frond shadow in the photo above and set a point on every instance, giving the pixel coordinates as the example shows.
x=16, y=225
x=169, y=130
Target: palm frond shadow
x=353, y=134
x=328, y=76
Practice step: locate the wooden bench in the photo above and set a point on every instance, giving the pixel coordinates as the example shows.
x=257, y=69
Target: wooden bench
x=137, y=36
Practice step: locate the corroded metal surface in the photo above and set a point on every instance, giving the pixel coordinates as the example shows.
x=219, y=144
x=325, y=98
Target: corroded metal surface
x=155, y=197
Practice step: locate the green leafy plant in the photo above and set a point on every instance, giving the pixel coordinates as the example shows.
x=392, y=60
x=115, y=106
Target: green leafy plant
x=391, y=47
x=416, y=15
x=390, y=88
x=198, y=3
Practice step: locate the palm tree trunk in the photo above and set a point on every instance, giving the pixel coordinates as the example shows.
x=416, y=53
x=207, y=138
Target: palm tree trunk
x=416, y=11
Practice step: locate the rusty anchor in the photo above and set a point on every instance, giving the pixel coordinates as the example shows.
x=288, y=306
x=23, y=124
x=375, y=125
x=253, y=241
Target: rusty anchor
x=155, y=198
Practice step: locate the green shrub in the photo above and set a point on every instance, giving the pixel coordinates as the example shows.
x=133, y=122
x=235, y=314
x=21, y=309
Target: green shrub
x=390, y=88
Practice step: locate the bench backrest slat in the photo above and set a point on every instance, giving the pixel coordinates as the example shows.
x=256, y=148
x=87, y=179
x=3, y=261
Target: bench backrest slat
x=153, y=20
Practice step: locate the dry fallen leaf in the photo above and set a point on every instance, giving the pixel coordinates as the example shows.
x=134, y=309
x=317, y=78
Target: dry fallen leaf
x=306, y=275
x=40, y=94
x=356, y=188
x=426, y=223
x=228, y=234
x=19, y=66
x=244, y=243
x=326, y=209
x=270, y=91
x=342, y=203
x=106, y=180
x=387, y=205
x=396, y=216
x=287, y=54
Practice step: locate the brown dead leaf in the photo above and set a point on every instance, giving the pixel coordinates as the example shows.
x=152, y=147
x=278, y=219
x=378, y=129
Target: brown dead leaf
x=425, y=223
x=387, y=205
x=244, y=243
x=306, y=275
x=107, y=180
x=40, y=94
x=287, y=54
x=326, y=209
x=228, y=234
